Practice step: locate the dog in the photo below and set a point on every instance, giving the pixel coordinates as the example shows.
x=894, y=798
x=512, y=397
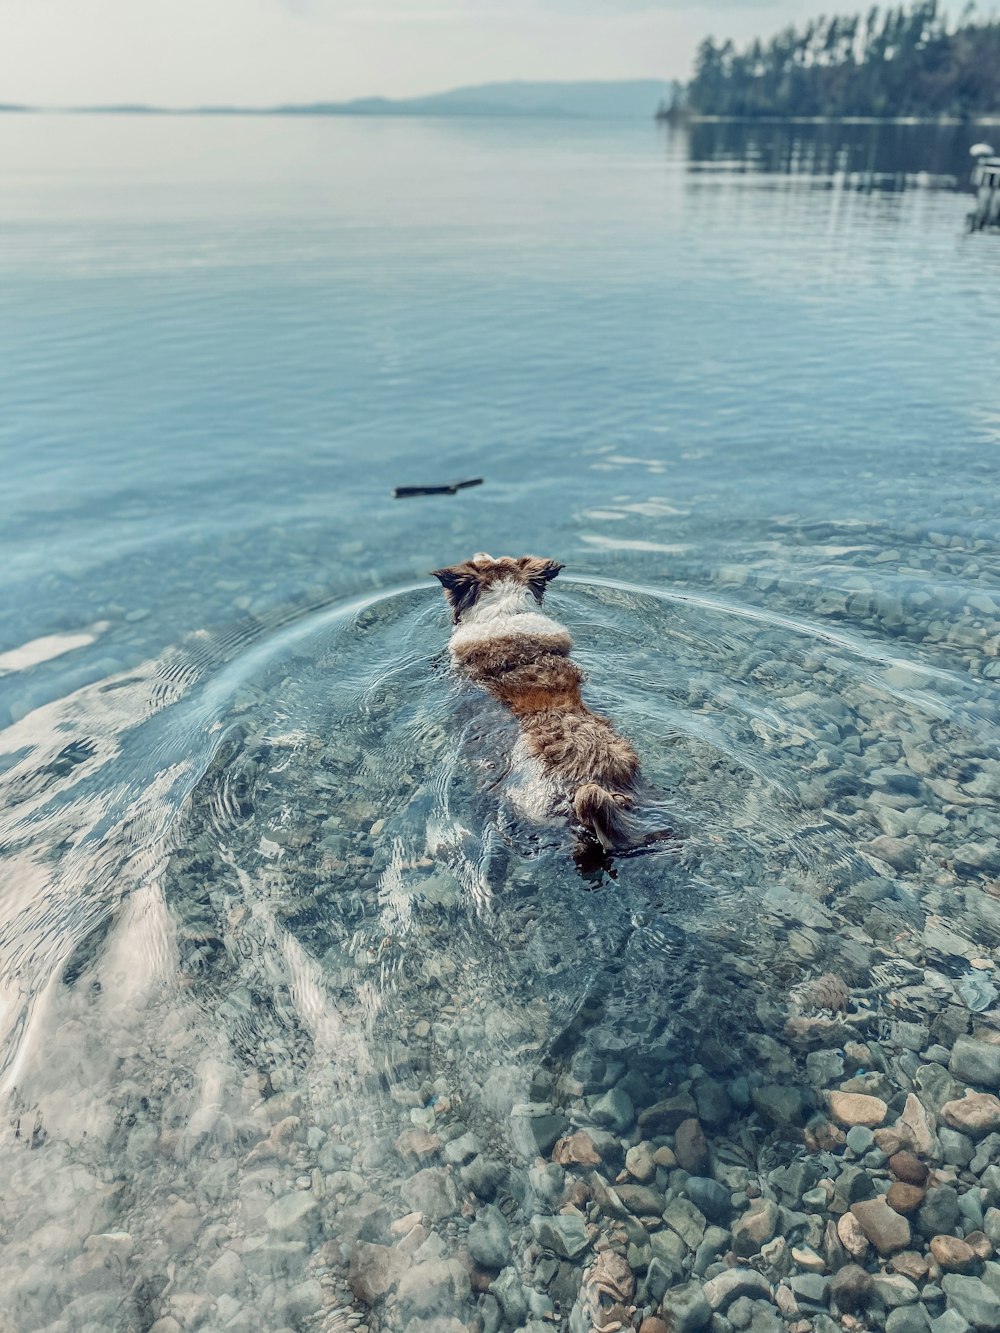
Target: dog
x=502, y=641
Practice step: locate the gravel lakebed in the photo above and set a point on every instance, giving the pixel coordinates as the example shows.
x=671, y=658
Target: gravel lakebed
x=346, y=1063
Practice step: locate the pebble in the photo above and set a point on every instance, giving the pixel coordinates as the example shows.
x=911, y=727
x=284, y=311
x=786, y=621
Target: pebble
x=976, y=1062
x=951, y=1254
x=721, y=1290
x=860, y=1139
x=905, y=1166
x=854, y=1108
x=884, y=1227
x=293, y=1215
x=755, y=1227
x=974, y=1301
x=904, y=1198
x=852, y=1236
x=895, y=1289
x=639, y=1163
x=613, y=1111
x=566, y=1236
x=690, y=1147
x=976, y=1114
x=687, y=1308
x=489, y=1238
x=710, y=1198
x=908, y=1319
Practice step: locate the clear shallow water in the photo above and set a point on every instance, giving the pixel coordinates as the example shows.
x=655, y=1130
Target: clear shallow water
x=260, y=857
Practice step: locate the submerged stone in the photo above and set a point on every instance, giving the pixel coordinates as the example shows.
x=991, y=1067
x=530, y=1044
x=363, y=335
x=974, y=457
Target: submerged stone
x=565, y=1235
x=686, y=1308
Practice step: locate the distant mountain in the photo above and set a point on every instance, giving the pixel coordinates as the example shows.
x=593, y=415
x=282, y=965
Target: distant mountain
x=635, y=99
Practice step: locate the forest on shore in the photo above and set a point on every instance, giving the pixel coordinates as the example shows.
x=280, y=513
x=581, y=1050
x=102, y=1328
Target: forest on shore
x=887, y=62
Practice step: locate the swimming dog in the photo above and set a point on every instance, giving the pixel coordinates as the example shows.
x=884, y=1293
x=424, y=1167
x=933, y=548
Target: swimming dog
x=503, y=642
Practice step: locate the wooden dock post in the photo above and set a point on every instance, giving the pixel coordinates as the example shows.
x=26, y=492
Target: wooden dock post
x=986, y=179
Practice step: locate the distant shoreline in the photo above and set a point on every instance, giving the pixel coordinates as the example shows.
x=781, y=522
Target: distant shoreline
x=401, y=112
x=598, y=100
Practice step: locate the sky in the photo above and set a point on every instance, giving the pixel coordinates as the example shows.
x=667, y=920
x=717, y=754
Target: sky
x=259, y=52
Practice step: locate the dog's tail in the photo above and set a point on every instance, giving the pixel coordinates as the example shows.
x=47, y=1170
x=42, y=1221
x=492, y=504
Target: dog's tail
x=603, y=813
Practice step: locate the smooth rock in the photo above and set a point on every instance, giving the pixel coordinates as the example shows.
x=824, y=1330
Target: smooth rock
x=686, y=1308
x=510, y=1295
x=459, y=1151
x=851, y=1236
x=374, y=1270
x=681, y=1216
x=639, y=1163
x=484, y=1176
x=535, y=1127
x=914, y=1125
x=613, y=1111
x=910, y=1264
x=226, y=1275
x=429, y=1288
x=710, y=1198
x=980, y=1244
x=939, y=1211
x=293, y=1215
x=950, y=1322
x=905, y=1166
x=976, y=1114
x=908, y=1319
x=296, y=1306
x=810, y=1289
x=952, y=1254
x=431, y=1192
x=722, y=1290
x=894, y=1289
x=904, y=1198
x=641, y=1200
x=884, y=1227
x=860, y=1139
x=781, y=1104
x=565, y=1235
x=417, y=1143
x=690, y=1147
x=854, y=1108
x=665, y=1116
x=489, y=1238
x=974, y=1301
x=807, y=1259
x=976, y=1062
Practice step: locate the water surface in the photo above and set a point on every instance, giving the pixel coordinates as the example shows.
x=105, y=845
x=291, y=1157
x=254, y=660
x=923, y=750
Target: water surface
x=267, y=905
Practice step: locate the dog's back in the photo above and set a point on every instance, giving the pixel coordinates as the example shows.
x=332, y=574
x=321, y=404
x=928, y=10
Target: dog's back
x=505, y=644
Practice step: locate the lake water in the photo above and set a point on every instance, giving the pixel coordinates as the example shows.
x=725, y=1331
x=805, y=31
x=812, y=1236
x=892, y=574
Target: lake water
x=292, y=1005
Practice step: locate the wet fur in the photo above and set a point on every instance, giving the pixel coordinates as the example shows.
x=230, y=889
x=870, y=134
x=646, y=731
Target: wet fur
x=520, y=656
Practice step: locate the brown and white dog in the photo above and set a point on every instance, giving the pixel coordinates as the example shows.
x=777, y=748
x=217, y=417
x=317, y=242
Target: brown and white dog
x=503, y=642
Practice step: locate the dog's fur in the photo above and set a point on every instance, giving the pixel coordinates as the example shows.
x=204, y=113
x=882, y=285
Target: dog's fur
x=503, y=643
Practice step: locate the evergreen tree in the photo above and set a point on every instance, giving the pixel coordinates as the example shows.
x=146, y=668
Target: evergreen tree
x=892, y=62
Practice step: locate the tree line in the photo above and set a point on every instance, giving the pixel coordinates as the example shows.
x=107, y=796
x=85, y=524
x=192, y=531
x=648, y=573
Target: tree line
x=891, y=62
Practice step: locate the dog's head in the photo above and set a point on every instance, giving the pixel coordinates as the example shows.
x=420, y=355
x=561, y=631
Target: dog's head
x=465, y=583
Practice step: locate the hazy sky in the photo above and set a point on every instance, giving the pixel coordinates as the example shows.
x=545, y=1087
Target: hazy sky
x=177, y=52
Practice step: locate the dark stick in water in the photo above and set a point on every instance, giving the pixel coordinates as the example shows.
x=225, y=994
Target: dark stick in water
x=403, y=492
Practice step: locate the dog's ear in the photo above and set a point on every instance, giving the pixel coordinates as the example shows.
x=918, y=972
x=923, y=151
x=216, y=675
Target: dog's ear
x=461, y=587
x=538, y=573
